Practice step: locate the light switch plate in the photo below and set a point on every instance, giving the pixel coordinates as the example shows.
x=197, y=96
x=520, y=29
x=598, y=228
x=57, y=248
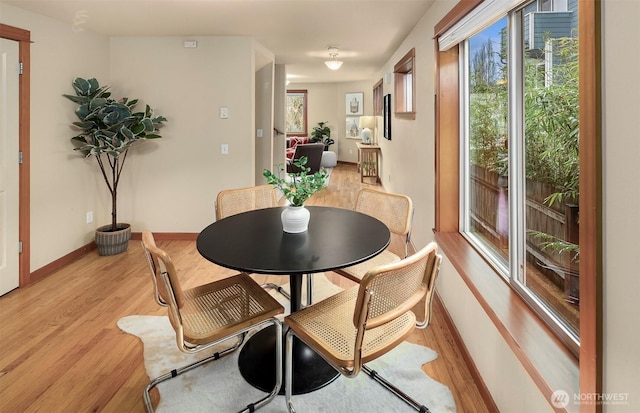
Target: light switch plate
x=224, y=112
x=224, y=149
x=259, y=133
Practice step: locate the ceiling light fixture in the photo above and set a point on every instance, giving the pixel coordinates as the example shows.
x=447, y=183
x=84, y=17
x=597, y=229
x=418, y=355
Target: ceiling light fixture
x=333, y=64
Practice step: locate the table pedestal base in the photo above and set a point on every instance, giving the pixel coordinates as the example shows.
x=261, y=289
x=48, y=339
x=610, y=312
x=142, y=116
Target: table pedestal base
x=257, y=364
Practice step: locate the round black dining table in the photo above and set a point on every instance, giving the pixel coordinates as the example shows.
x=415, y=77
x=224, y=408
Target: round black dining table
x=254, y=242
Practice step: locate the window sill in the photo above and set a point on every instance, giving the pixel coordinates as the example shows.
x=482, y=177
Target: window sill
x=546, y=359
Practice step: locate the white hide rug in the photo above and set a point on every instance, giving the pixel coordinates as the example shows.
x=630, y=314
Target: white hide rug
x=219, y=387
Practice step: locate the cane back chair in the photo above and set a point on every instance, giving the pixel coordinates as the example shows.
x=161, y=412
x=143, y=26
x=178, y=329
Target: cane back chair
x=209, y=314
x=396, y=212
x=362, y=323
x=235, y=201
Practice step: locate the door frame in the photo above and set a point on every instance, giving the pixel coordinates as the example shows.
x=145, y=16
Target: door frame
x=23, y=37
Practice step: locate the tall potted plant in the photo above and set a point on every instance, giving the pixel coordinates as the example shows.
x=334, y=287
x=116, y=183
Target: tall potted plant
x=108, y=129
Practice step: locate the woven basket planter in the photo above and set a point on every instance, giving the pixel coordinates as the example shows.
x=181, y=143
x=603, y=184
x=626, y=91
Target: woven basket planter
x=113, y=242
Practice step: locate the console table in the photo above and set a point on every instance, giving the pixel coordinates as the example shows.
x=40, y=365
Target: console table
x=368, y=161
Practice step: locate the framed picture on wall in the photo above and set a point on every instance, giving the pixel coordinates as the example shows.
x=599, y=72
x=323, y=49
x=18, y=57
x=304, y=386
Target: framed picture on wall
x=354, y=102
x=353, y=127
x=386, y=114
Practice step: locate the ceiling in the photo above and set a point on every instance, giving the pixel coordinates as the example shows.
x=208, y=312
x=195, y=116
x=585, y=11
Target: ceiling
x=298, y=32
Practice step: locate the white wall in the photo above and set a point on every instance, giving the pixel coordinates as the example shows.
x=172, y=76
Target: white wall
x=279, y=121
x=408, y=158
x=347, y=147
x=64, y=186
x=621, y=198
x=171, y=183
x=264, y=120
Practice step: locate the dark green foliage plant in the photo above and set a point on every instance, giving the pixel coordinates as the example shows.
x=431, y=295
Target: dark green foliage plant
x=551, y=126
x=322, y=134
x=108, y=129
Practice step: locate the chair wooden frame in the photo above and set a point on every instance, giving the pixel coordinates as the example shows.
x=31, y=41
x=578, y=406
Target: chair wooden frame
x=363, y=323
x=396, y=212
x=235, y=201
x=210, y=314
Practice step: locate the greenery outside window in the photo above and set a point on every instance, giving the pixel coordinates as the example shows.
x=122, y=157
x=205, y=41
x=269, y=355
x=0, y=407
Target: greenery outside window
x=519, y=188
x=296, y=113
x=404, y=85
x=549, y=364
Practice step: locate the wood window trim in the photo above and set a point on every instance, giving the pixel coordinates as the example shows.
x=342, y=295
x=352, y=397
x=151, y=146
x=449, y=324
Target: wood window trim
x=377, y=98
x=304, y=115
x=23, y=37
x=400, y=70
x=589, y=369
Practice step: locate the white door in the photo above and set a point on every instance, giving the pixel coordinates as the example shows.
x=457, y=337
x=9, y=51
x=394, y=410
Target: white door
x=9, y=277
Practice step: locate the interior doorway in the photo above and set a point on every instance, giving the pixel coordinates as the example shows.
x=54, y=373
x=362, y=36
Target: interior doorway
x=23, y=39
x=9, y=174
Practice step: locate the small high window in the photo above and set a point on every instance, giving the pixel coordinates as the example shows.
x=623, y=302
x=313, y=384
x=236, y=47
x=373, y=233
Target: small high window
x=404, y=78
x=377, y=98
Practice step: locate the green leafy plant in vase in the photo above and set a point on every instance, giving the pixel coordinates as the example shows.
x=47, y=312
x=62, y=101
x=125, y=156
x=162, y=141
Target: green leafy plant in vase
x=297, y=188
x=108, y=129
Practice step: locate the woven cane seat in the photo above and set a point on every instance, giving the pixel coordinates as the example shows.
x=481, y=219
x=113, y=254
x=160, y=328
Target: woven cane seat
x=328, y=327
x=214, y=310
x=210, y=314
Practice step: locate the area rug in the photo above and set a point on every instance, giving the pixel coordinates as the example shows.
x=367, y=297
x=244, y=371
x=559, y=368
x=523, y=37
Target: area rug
x=219, y=387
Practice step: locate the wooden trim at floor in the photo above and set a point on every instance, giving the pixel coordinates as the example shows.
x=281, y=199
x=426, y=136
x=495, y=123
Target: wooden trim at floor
x=61, y=262
x=168, y=236
x=475, y=374
x=74, y=255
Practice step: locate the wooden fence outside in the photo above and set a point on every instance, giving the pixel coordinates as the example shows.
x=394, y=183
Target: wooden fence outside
x=490, y=194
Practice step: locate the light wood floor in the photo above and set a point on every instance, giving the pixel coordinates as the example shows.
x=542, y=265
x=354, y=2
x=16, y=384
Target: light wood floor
x=61, y=351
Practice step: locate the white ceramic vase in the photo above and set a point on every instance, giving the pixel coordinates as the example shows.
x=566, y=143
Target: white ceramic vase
x=295, y=219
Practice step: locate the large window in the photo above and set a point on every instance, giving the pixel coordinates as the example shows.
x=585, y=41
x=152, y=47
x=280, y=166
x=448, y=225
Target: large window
x=519, y=146
x=296, y=107
x=548, y=363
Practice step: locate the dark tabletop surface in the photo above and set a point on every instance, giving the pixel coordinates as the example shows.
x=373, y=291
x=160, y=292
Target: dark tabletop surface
x=254, y=241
